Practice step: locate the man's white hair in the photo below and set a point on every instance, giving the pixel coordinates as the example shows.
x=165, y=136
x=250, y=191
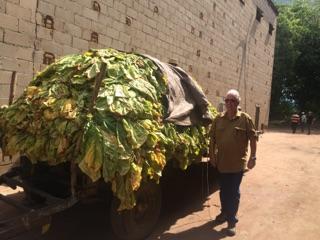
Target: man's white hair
x=234, y=93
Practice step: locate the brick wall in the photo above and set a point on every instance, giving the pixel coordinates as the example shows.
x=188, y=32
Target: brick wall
x=219, y=42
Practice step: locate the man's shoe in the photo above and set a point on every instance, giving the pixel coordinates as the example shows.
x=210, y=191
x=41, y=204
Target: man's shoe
x=231, y=229
x=220, y=218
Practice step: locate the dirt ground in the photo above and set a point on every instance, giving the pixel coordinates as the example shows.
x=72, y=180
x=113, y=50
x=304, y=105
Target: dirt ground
x=280, y=200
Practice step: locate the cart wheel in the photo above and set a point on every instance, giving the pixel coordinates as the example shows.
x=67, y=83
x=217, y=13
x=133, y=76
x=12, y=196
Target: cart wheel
x=137, y=223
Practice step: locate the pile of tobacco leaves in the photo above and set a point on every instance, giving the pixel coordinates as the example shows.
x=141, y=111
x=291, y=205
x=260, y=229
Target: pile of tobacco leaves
x=104, y=110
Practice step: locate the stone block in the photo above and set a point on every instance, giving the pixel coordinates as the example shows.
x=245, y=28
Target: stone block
x=105, y=40
x=70, y=50
x=27, y=28
x=2, y=6
x=18, y=39
x=8, y=22
x=44, y=33
x=19, y=12
x=64, y=15
x=86, y=34
x=46, y=8
x=72, y=29
x=1, y=34
x=62, y=38
x=4, y=91
x=90, y=13
x=99, y=27
x=80, y=43
x=30, y=4
x=82, y=21
x=8, y=64
x=50, y=46
x=113, y=33
x=132, y=13
x=5, y=77
x=23, y=79
x=125, y=37
x=25, y=66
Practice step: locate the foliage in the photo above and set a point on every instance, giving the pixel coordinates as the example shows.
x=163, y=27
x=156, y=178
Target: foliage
x=119, y=136
x=296, y=82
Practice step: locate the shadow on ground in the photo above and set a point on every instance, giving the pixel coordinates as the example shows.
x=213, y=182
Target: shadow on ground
x=184, y=192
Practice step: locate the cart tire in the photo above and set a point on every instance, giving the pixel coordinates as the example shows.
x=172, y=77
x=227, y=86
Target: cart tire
x=137, y=223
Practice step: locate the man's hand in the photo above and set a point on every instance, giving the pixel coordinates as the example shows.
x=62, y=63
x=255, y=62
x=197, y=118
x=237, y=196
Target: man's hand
x=251, y=163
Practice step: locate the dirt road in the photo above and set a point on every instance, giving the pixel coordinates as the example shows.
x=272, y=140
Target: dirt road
x=280, y=200
x=280, y=197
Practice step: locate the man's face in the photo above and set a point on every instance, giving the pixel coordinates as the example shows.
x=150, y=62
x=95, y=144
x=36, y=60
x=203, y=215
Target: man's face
x=231, y=103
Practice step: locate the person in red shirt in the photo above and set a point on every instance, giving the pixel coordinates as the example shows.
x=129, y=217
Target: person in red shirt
x=295, y=119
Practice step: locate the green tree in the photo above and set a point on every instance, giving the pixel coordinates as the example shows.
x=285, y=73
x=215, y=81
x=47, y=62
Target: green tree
x=296, y=75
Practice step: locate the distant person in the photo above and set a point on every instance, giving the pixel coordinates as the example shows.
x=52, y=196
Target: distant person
x=295, y=119
x=310, y=119
x=230, y=135
x=303, y=121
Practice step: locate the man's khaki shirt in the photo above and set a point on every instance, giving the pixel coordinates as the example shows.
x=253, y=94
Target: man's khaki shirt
x=231, y=139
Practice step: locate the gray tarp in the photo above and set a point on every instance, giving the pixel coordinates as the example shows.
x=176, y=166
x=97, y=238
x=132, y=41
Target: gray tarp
x=187, y=104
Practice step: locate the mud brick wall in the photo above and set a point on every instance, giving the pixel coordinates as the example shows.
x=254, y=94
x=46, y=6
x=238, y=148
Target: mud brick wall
x=219, y=42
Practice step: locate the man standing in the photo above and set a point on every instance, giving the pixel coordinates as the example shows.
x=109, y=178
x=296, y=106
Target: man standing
x=229, y=137
x=303, y=121
x=310, y=120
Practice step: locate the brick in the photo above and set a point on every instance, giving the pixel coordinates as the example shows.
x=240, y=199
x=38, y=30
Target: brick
x=12, y=51
x=82, y=21
x=4, y=91
x=58, y=3
x=109, y=3
x=147, y=29
x=90, y=13
x=18, y=39
x=117, y=44
x=75, y=7
x=119, y=6
x=113, y=33
x=50, y=46
x=105, y=40
x=5, y=77
x=25, y=66
x=62, y=38
x=85, y=3
x=65, y=15
x=132, y=13
x=31, y=4
x=80, y=43
x=125, y=37
x=8, y=22
x=115, y=14
x=99, y=27
x=1, y=35
x=27, y=28
x=69, y=50
x=8, y=64
x=18, y=91
x=14, y=1
x=44, y=33
x=121, y=27
x=72, y=29
x=86, y=34
x=2, y=6
x=46, y=8
x=58, y=24
x=17, y=11
x=23, y=79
